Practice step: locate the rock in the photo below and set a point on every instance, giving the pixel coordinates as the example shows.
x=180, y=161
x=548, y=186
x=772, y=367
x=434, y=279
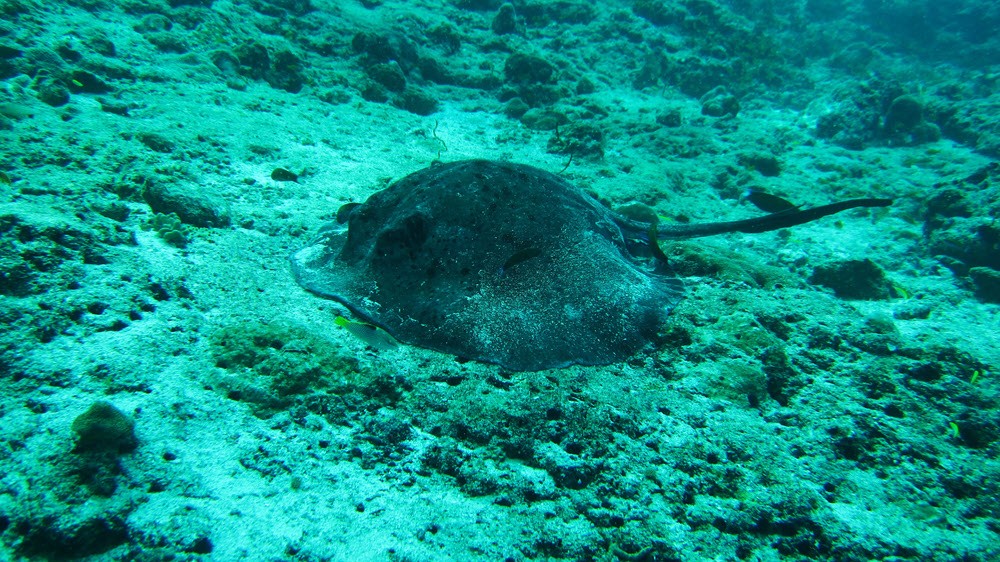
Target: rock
x=104, y=428
x=388, y=75
x=505, y=21
x=542, y=13
x=374, y=92
x=528, y=69
x=167, y=42
x=579, y=138
x=904, y=124
x=193, y=205
x=584, y=86
x=905, y=113
x=987, y=281
x=285, y=72
x=227, y=62
x=254, y=60
x=657, y=12
x=515, y=108
x=156, y=142
x=718, y=102
x=853, y=279
x=431, y=69
x=949, y=202
x=378, y=48
x=766, y=164
x=417, y=101
x=669, y=118
x=82, y=81
x=542, y=119
x=53, y=93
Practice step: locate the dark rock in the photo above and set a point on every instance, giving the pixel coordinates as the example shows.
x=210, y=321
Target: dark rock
x=417, y=101
x=167, y=42
x=973, y=242
x=657, y=12
x=388, y=428
x=431, y=70
x=194, y=206
x=478, y=5
x=949, y=202
x=956, y=266
x=854, y=57
x=104, y=428
x=973, y=123
x=101, y=45
x=824, y=10
x=227, y=62
x=69, y=53
x=156, y=142
x=383, y=48
x=585, y=86
x=669, y=118
x=904, y=123
x=67, y=537
x=904, y=114
x=928, y=372
x=153, y=22
x=285, y=72
x=847, y=128
x=528, y=69
x=8, y=52
x=766, y=164
x=82, y=81
x=853, y=279
x=580, y=138
x=388, y=75
x=53, y=93
x=41, y=59
x=987, y=282
x=542, y=13
x=374, y=92
x=446, y=35
x=515, y=108
x=697, y=76
x=543, y=119
x=254, y=59
x=19, y=278
x=855, y=120
x=178, y=3
x=911, y=310
x=718, y=103
x=284, y=7
x=505, y=21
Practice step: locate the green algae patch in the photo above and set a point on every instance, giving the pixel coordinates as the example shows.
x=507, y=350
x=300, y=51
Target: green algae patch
x=274, y=365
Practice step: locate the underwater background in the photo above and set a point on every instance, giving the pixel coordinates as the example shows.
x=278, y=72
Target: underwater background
x=823, y=392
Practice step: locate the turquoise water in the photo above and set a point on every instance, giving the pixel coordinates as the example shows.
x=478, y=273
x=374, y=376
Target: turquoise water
x=823, y=391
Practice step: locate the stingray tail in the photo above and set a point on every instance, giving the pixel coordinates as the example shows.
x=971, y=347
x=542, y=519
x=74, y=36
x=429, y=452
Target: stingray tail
x=774, y=221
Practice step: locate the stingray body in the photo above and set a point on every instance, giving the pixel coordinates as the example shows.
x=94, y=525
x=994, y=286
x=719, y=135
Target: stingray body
x=503, y=263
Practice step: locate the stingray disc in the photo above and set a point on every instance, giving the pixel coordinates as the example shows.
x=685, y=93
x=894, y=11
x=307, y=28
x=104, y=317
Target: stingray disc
x=424, y=260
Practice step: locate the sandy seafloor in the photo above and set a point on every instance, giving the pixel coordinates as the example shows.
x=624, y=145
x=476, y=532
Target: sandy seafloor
x=826, y=392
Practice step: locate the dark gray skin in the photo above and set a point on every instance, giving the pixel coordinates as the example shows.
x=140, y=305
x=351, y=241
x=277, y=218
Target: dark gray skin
x=508, y=264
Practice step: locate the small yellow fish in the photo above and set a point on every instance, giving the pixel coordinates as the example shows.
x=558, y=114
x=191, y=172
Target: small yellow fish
x=4, y=178
x=373, y=336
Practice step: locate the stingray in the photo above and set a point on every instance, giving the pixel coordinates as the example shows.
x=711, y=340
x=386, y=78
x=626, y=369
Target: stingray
x=508, y=264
